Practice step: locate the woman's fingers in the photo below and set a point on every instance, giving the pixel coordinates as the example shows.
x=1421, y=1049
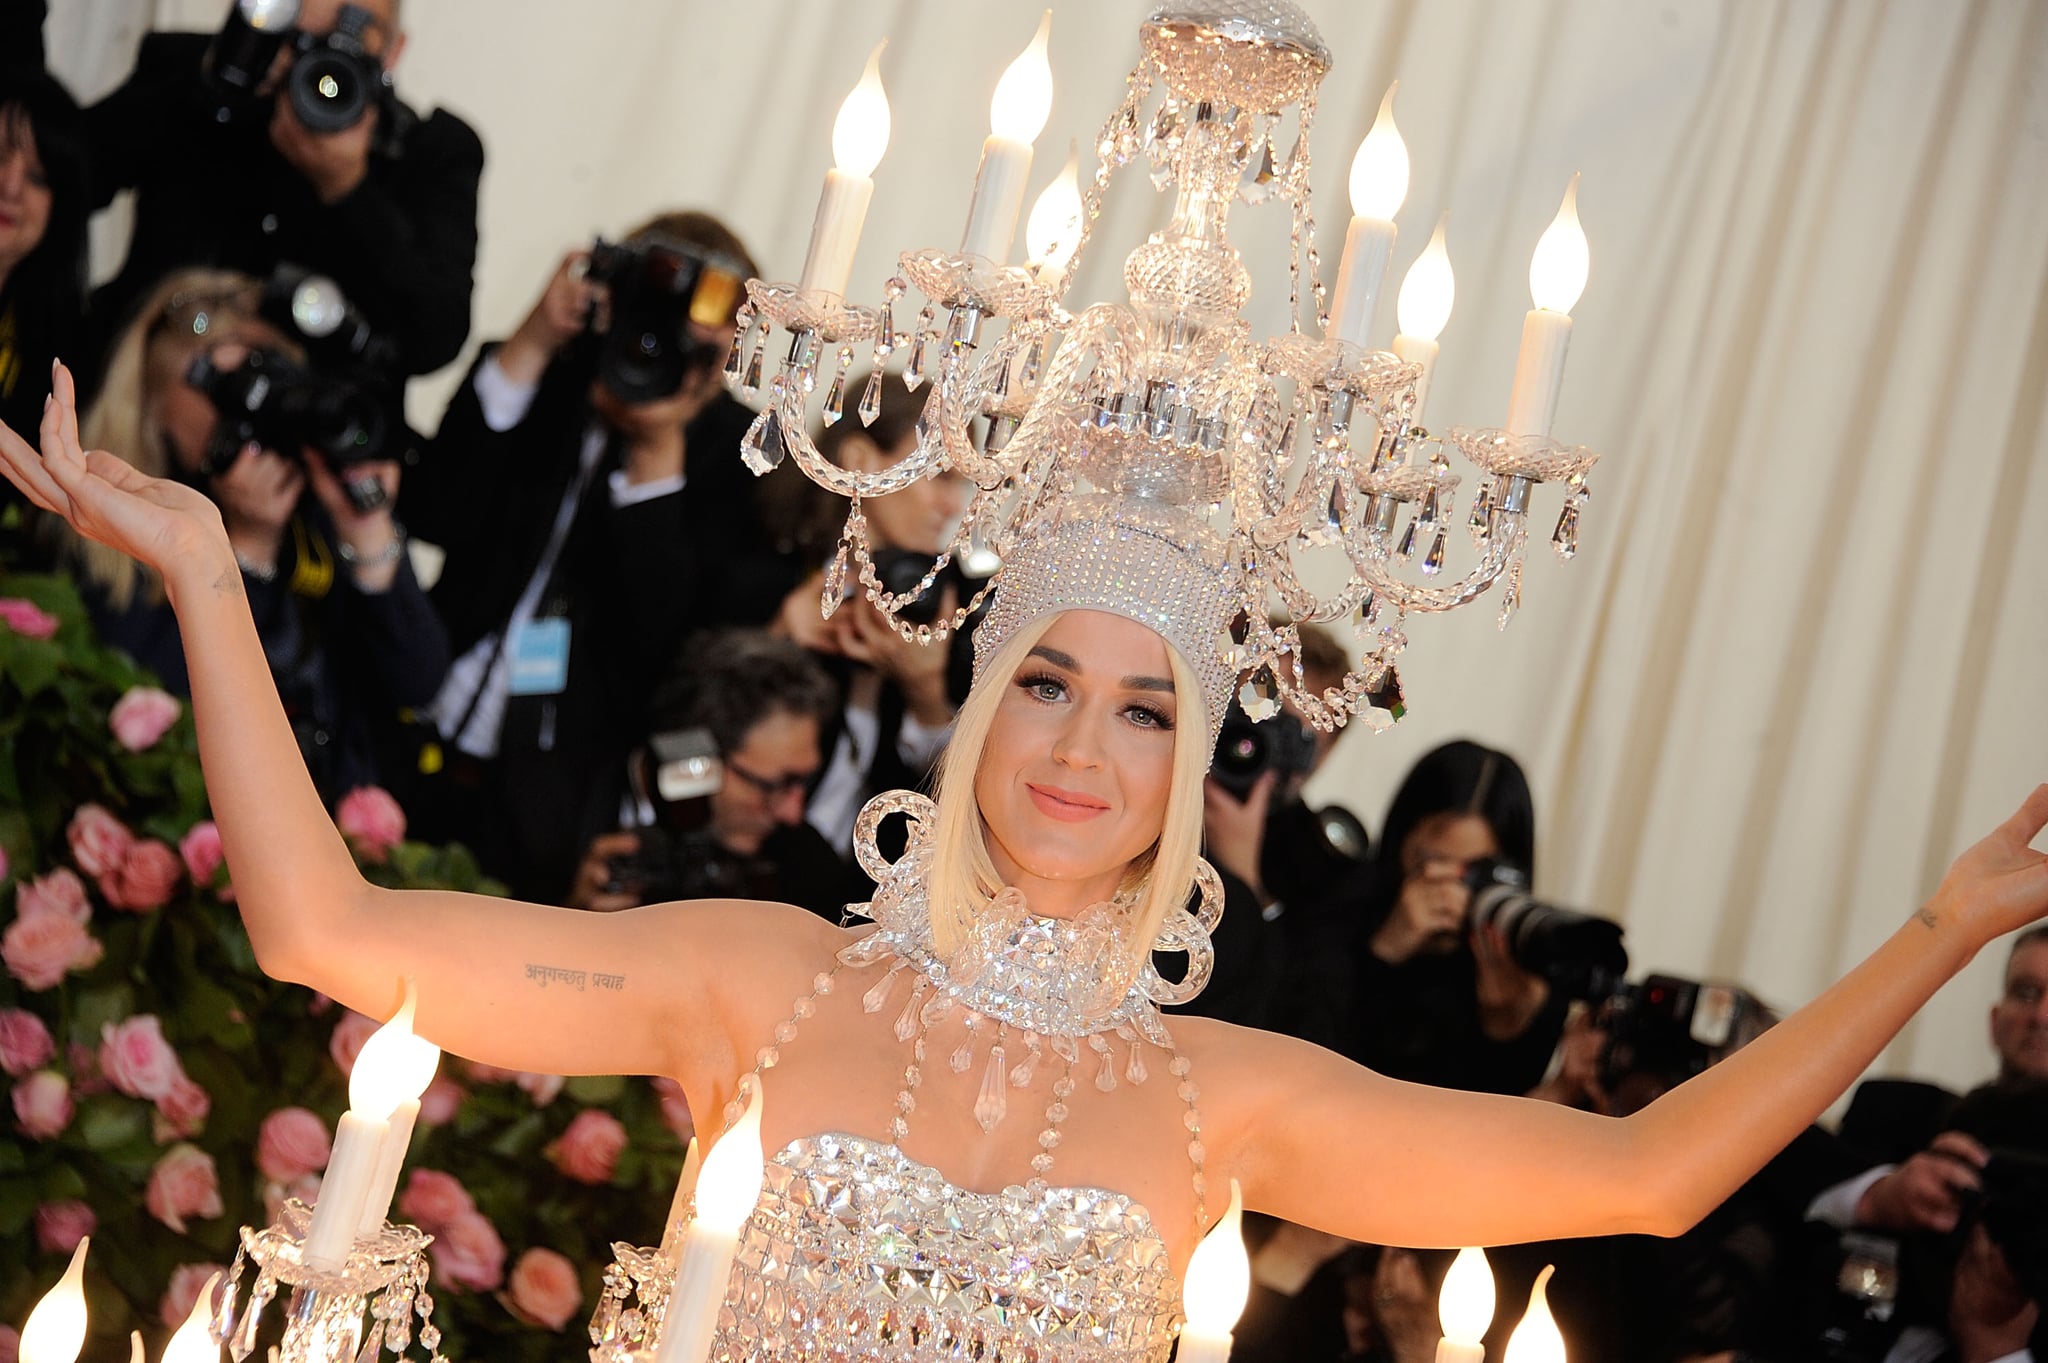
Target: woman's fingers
x=65, y=392
x=24, y=468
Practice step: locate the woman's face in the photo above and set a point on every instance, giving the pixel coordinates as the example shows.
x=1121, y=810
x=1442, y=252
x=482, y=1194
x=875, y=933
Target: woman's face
x=1074, y=778
x=24, y=191
x=921, y=517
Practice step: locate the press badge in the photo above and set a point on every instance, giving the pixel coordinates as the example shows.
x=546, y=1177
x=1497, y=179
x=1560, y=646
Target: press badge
x=539, y=652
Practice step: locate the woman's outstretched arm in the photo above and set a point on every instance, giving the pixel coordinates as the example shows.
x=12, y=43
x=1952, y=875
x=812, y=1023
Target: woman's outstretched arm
x=1321, y=1141
x=513, y=985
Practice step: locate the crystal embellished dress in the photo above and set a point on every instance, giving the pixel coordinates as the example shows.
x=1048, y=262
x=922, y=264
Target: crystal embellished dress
x=855, y=1251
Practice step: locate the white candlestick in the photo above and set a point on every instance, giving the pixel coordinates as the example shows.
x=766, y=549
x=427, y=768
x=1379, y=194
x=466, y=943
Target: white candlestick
x=1215, y=1287
x=1415, y=350
x=1368, y=247
x=727, y=1190
x=390, y=1164
x=998, y=198
x=351, y=1169
x=835, y=232
x=1557, y=275
x=1450, y=1351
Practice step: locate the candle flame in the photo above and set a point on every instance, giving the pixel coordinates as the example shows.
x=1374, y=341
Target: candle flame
x=1536, y=1339
x=1053, y=230
x=395, y=1064
x=1379, y=172
x=135, y=1354
x=1023, y=97
x=1557, y=272
x=729, y=1183
x=1465, y=1309
x=1219, y=1276
x=193, y=1343
x=861, y=132
x=55, y=1331
x=1428, y=289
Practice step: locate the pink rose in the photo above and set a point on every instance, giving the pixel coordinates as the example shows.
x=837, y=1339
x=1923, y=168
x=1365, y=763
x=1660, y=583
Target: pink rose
x=42, y=1105
x=98, y=840
x=60, y=892
x=371, y=821
x=291, y=1144
x=441, y=1101
x=468, y=1253
x=39, y=949
x=25, y=1043
x=675, y=1108
x=432, y=1199
x=61, y=1225
x=590, y=1148
x=187, y=1282
x=142, y=716
x=542, y=1088
x=181, y=1113
x=183, y=1184
x=348, y=1039
x=137, y=1060
x=201, y=850
x=145, y=878
x=27, y=618
x=543, y=1289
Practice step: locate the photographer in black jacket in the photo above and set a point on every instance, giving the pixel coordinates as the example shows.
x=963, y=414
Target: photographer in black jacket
x=229, y=173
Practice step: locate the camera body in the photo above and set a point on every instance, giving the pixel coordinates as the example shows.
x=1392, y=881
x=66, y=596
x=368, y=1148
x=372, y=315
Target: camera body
x=658, y=286
x=1246, y=750
x=1669, y=1029
x=1580, y=954
x=334, y=80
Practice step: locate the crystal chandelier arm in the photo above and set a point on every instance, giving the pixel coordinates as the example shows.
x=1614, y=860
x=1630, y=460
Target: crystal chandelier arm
x=792, y=417
x=1503, y=546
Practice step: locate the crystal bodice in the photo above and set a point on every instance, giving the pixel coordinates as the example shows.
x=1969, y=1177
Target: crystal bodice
x=857, y=1252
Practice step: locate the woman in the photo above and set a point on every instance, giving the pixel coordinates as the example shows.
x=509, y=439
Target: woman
x=350, y=637
x=43, y=215
x=1074, y=777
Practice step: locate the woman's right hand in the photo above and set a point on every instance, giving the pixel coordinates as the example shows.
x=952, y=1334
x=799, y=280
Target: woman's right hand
x=558, y=317
x=162, y=524
x=1430, y=910
x=257, y=495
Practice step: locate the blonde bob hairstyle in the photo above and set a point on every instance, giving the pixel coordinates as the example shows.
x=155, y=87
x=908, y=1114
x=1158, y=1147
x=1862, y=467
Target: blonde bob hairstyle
x=148, y=359
x=963, y=876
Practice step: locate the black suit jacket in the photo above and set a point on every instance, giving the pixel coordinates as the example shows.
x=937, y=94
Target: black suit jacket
x=402, y=245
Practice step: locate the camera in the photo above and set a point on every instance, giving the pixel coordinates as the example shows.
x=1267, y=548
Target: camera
x=1669, y=1029
x=314, y=307
x=658, y=286
x=684, y=865
x=1247, y=750
x=270, y=400
x=1581, y=955
x=334, y=79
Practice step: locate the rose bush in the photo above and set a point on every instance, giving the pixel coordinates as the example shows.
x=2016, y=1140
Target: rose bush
x=162, y=1093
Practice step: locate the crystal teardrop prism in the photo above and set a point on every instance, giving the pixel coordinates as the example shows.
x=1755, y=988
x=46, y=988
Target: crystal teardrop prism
x=1511, y=598
x=871, y=398
x=1406, y=549
x=885, y=331
x=1260, y=174
x=750, y=386
x=1482, y=512
x=1260, y=695
x=835, y=399
x=993, y=1101
x=733, y=357
x=1433, y=561
x=1565, y=539
x=762, y=450
x=829, y=596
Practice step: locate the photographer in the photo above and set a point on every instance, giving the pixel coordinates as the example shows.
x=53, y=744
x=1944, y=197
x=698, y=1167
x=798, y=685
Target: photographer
x=712, y=802
x=244, y=158
x=350, y=636
x=586, y=487
x=900, y=695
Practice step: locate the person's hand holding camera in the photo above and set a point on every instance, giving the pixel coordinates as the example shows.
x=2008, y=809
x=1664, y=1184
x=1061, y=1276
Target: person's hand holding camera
x=371, y=537
x=1428, y=916
x=589, y=890
x=1234, y=831
x=558, y=317
x=1509, y=996
x=863, y=634
x=333, y=163
x=257, y=494
x=1925, y=1193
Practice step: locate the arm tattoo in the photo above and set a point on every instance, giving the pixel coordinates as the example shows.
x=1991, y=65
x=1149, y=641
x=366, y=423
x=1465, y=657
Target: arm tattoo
x=579, y=980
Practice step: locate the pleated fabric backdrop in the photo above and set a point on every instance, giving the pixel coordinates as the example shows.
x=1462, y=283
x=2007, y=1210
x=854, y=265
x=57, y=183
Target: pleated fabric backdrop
x=1802, y=656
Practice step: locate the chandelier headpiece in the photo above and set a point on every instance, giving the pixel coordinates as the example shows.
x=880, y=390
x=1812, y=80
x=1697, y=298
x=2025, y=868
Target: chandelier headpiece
x=1152, y=457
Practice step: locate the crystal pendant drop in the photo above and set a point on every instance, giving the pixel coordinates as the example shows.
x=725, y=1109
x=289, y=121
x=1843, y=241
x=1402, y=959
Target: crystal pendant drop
x=885, y=331
x=993, y=1100
x=913, y=372
x=871, y=398
x=830, y=595
x=733, y=357
x=761, y=451
x=835, y=399
x=1566, y=537
x=1260, y=696
x=1431, y=509
x=750, y=387
x=1482, y=511
x=1034, y=359
x=1406, y=550
x=1511, y=598
x=1433, y=561
x=1260, y=174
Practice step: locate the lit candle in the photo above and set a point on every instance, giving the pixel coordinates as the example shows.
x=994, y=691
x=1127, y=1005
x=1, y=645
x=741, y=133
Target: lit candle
x=1218, y=1281
x=55, y=1331
x=415, y=1062
x=1465, y=1309
x=1053, y=230
x=375, y=1088
x=193, y=1343
x=1423, y=307
x=859, y=137
x=1536, y=1339
x=727, y=1190
x=1379, y=182
x=135, y=1354
x=673, y=1229
x=1016, y=115
x=1557, y=276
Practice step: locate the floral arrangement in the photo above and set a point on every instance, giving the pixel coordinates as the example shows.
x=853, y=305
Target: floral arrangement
x=162, y=1092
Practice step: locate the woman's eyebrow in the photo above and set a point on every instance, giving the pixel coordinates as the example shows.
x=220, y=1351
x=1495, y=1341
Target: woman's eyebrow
x=1055, y=657
x=1073, y=664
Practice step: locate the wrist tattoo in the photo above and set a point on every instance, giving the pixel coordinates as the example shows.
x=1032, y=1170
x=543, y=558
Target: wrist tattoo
x=1928, y=918
x=229, y=583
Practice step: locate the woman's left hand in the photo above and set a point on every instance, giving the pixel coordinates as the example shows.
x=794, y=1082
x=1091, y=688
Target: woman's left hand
x=1509, y=996
x=370, y=534
x=1998, y=886
x=865, y=636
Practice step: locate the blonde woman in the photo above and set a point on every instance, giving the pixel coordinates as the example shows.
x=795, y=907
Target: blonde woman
x=904, y=1068
x=349, y=635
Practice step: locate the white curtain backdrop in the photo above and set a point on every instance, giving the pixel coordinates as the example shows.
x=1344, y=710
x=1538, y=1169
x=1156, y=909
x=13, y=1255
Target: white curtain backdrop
x=1802, y=656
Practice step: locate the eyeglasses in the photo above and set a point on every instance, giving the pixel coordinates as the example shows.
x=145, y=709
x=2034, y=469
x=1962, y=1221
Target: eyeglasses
x=772, y=787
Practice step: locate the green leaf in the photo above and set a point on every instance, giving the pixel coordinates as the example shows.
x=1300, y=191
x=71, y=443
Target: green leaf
x=107, y=1122
x=596, y=1090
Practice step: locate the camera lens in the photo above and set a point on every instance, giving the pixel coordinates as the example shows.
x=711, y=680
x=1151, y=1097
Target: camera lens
x=328, y=92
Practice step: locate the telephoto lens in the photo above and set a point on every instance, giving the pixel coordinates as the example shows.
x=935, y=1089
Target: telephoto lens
x=1579, y=953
